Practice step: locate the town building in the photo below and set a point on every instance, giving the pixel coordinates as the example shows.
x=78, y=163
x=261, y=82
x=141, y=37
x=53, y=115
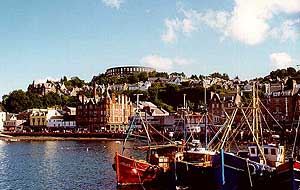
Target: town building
x=41, y=88
x=153, y=115
x=12, y=124
x=143, y=86
x=108, y=112
x=39, y=118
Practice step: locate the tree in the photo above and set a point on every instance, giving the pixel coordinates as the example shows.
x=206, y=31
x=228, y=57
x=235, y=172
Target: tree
x=100, y=79
x=225, y=76
x=178, y=74
x=75, y=81
x=194, y=77
x=291, y=71
x=133, y=79
x=162, y=74
x=51, y=99
x=143, y=76
x=16, y=101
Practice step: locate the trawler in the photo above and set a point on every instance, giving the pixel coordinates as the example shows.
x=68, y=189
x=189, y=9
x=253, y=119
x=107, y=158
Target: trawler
x=156, y=168
x=261, y=165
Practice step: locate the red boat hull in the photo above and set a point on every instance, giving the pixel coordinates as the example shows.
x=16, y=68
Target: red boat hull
x=130, y=171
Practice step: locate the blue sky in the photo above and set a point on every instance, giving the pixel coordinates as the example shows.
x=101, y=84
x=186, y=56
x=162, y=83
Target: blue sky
x=51, y=39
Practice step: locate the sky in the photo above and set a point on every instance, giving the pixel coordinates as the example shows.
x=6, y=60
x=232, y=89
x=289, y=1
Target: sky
x=52, y=39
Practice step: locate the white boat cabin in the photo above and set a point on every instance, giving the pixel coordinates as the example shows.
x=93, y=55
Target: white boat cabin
x=274, y=154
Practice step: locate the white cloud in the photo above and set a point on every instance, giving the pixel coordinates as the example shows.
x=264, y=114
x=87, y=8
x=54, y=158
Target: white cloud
x=287, y=30
x=163, y=63
x=173, y=26
x=280, y=60
x=248, y=22
x=250, y=19
x=113, y=3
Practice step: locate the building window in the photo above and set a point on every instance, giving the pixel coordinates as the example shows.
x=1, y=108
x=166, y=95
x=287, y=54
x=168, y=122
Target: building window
x=266, y=151
x=273, y=151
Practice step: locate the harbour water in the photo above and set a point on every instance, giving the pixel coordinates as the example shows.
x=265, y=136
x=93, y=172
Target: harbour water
x=43, y=165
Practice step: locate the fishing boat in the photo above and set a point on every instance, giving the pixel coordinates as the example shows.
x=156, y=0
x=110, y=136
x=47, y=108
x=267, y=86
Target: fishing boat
x=287, y=175
x=195, y=169
x=154, y=170
x=261, y=165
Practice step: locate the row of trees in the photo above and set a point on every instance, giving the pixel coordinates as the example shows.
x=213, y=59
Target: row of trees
x=131, y=79
x=19, y=100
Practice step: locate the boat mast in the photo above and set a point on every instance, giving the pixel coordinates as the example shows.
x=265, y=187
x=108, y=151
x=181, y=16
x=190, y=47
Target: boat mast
x=139, y=115
x=184, y=122
x=205, y=114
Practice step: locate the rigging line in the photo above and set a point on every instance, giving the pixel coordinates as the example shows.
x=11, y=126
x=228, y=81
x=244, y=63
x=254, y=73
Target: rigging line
x=237, y=132
x=270, y=114
x=160, y=133
x=233, y=135
x=265, y=121
x=218, y=132
x=146, y=129
x=296, y=136
x=229, y=129
x=260, y=126
x=129, y=130
x=140, y=179
x=254, y=137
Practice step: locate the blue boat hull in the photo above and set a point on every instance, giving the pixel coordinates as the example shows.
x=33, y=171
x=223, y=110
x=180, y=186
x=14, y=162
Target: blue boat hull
x=241, y=174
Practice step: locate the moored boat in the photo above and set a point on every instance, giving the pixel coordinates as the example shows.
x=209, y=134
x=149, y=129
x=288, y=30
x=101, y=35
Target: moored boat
x=155, y=169
x=131, y=171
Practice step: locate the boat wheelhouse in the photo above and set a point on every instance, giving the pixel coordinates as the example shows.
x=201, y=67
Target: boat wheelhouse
x=273, y=153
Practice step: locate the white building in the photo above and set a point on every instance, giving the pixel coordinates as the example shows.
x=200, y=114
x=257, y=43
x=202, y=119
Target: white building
x=143, y=86
x=55, y=121
x=13, y=124
x=65, y=122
